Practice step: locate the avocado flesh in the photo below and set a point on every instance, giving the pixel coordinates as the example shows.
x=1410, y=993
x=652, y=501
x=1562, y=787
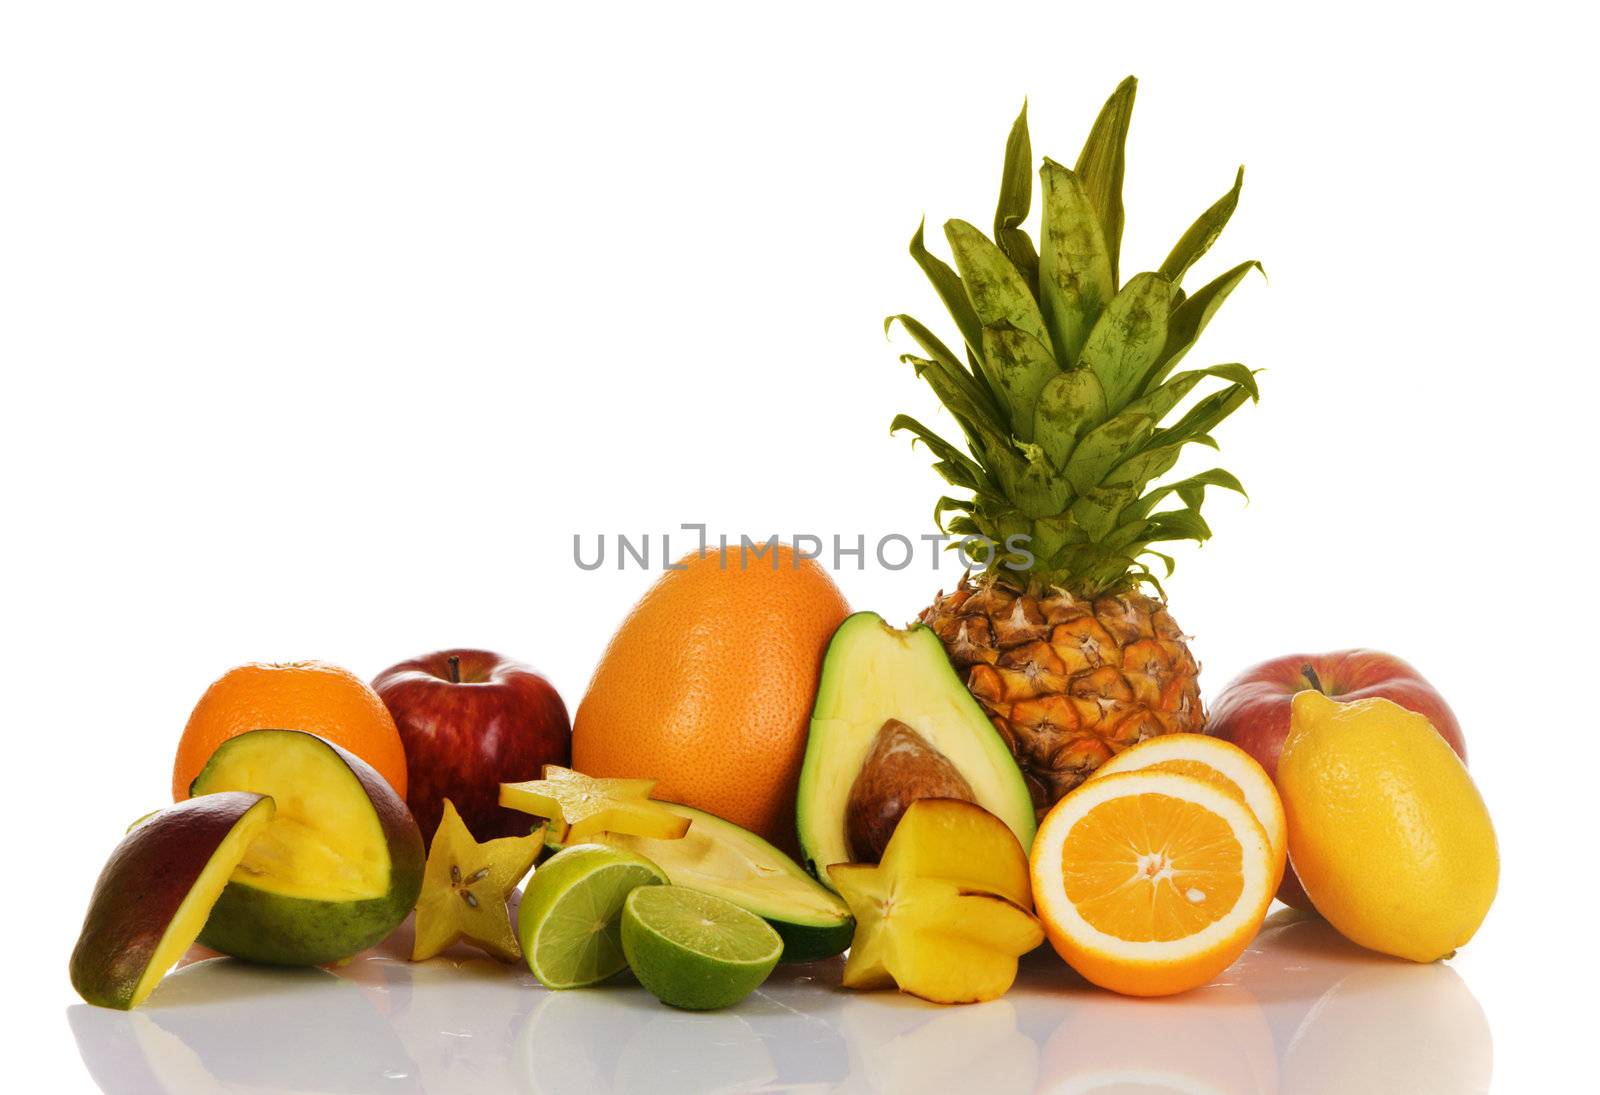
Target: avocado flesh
x=873, y=673
x=722, y=859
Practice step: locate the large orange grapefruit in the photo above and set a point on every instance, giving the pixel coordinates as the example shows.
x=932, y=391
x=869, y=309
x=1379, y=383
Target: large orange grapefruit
x=708, y=686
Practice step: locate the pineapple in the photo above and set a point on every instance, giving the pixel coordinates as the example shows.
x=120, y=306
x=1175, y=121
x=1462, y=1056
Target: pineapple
x=1065, y=397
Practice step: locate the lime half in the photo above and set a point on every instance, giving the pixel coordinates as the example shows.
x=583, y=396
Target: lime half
x=569, y=923
x=696, y=951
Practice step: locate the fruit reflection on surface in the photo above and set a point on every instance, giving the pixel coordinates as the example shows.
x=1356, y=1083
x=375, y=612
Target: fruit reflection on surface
x=225, y=1027
x=579, y=806
x=465, y=887
x=1253, y=710
x=720, y=858
x=911, y=1048
x=708, y=685
x=1215, y=1039
x=695, y=951
x=155, y=893
x=586, y=1042
x=1151, y=883
x=315, y=697
x=337, y=869
x=1387, y=831
x=945, y=915
x=1342, y=1018
x=471, y=720
x=1346, y=1019
x=893, y=724
x=570, y=920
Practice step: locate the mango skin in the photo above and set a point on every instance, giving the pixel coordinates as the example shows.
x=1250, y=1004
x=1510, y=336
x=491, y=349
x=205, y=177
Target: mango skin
x=277, y=930
x=1387, y=831
x=140, y=890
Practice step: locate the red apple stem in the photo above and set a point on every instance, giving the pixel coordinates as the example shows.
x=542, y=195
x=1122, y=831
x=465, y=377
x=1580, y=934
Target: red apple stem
x=1310, y=675
x=455, y=669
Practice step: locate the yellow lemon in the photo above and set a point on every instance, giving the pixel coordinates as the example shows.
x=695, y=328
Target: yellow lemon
x=1386, y=829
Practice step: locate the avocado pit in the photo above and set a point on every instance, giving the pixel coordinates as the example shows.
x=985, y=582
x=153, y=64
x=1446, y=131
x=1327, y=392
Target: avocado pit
x=901, y=767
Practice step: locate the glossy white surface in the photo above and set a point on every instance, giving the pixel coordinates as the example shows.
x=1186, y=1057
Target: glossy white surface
x=1302, y=1011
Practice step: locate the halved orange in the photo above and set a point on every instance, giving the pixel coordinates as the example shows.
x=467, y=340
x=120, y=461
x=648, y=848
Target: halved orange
x=1215, y=761
x=1150, y=883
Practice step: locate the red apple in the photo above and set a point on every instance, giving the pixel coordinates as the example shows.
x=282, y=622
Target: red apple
x=470, y=721
x=1253, y=711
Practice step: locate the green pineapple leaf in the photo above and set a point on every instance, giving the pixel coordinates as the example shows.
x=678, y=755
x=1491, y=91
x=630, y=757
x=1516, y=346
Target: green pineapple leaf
x=1021, y=368
x=1015, y=348
x=1190, y=318
x=1103, y=448
x=1041, y=491
x=1202, y=233
x=948, y=285
x=1076, y=276
x=1016, y=197
x=1069, y=405
x=931, y=344
x=973, y=390
x=1065, y=383
x=999, y=295
x=1168, y=561
x=946, y=504
x=1176, y=524
x=982, y=430
x=1161, y=401
x=1129, y=337
x=956, y=466
x=1191, y=491
x=1100, y=166
x=1098, y=510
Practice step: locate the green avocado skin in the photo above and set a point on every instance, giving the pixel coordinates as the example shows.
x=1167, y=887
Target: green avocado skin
x=276, y=930
x=805, y=943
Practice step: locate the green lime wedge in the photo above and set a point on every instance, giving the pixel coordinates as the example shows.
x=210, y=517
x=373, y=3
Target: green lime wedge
x=696, y=951
x=569, y=923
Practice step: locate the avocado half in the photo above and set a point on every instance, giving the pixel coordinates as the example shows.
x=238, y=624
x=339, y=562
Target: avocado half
x=720, y=858
x=874, y=674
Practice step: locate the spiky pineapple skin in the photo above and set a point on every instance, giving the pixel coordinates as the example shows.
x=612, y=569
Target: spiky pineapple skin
x=1069, y=682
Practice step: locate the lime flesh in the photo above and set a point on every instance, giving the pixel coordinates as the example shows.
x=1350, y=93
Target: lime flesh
x=696, y=951
x=570, y=921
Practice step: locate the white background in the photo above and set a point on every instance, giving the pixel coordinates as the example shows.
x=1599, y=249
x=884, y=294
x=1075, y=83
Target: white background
x=324, y=327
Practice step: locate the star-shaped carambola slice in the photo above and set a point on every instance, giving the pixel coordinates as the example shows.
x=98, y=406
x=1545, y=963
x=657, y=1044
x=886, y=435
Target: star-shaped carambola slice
x=579, y=806
x=945, y=915
x=465, y=887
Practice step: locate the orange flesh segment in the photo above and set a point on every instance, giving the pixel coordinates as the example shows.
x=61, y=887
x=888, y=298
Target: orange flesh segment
x=1200, y=770
x=1151, y=868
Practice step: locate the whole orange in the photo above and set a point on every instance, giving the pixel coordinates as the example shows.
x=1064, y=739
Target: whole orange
x=708, y=686
x=315, y=697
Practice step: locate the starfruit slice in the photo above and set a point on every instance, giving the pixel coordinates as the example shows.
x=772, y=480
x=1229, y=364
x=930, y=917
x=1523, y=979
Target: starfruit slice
x=465, y=887
x=921, y=925
x=580, y=806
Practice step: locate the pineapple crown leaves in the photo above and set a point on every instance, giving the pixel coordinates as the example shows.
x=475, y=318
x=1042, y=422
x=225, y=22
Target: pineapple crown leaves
x=1067, y=375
